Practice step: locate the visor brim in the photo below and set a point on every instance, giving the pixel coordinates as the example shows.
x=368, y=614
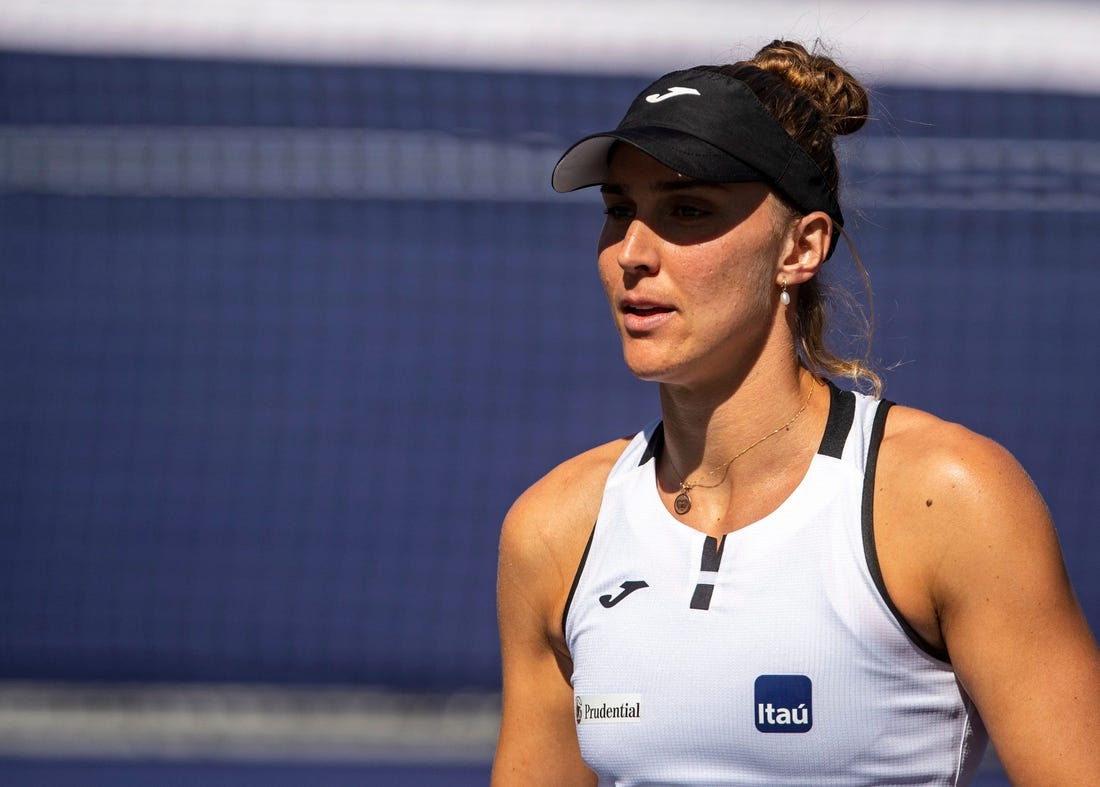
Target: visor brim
x=586, y=163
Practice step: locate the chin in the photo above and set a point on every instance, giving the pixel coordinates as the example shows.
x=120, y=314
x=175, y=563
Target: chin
x=651, y=370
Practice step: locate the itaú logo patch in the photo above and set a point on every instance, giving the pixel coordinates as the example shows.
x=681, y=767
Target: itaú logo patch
x=607, y=708
x=784, y=703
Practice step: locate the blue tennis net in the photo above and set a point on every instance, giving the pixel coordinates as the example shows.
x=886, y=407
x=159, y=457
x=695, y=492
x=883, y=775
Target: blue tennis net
x=281, y=343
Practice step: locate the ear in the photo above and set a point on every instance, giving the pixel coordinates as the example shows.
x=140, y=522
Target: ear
x=807, y=247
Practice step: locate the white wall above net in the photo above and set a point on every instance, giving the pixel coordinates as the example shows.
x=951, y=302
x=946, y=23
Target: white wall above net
x=985, y=43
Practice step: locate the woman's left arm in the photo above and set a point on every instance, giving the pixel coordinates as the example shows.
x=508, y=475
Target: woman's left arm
x=1016, y=635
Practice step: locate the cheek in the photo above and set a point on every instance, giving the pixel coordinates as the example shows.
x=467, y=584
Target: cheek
x=607, y=261
x=610, y=236
x=734, y=269
x=735, y=284
x=607, y=269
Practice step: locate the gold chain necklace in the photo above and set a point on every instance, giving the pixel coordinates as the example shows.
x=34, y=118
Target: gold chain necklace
x=682, y=503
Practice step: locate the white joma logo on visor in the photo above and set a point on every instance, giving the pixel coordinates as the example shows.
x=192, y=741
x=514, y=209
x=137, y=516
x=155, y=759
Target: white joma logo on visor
x=672, y=91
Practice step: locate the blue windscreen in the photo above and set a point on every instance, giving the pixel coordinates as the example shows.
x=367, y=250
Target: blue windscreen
x=279, y=345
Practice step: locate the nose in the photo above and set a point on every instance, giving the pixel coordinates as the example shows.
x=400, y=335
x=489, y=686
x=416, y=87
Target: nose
x=638, y=249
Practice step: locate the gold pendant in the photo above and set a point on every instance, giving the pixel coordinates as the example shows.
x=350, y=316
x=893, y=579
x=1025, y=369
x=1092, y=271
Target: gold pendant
x=682, y=503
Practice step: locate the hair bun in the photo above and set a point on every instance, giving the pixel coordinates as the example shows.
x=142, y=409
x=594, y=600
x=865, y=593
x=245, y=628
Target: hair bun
x=839, y=97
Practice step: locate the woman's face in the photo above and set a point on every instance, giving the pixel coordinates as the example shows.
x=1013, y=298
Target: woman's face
x=689, y=268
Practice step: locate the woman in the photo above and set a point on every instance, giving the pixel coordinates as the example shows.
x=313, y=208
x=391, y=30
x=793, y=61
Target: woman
x=786, y=583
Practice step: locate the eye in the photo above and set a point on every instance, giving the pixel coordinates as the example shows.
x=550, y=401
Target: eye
x=688, y=212
x=619, y=212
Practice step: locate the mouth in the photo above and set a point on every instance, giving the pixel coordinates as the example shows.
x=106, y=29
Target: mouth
x=643, y=310
x=644, y=317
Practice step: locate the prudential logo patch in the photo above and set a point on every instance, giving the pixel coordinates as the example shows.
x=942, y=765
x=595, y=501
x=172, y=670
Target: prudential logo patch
x=784, y=703
x=607, y=708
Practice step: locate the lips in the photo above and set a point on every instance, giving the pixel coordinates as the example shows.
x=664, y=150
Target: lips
x=643, y=316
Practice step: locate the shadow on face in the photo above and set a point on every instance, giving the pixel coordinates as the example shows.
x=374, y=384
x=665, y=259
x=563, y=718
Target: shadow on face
x=678, y=209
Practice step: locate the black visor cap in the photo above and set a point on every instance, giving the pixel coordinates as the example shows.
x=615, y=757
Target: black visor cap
x=706, y=125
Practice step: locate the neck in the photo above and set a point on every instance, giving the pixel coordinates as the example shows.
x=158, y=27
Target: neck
x=728, y=462
x=706, y=427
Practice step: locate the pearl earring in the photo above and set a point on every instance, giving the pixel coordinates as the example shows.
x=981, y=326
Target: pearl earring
x=784, y=296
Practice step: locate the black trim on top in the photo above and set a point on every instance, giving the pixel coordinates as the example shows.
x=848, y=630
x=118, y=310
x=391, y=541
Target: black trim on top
x=869, y=550
x=842, y=412
x=655, y=446
x=712, y=553
x=701, y=598
x=577, y=579
x=711, y=561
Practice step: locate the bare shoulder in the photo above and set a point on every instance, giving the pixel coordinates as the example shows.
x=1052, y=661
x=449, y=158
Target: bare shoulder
x=546, y=529
x=929, y=462
x=957, y=489
x=571, y=489
x=956, y=514
x=916, y=433
x=567, y=496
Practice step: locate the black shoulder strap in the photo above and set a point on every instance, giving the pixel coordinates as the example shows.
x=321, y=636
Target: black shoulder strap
x=655, y=446
x=576, y=580
x=842, y=412
x=870, y=551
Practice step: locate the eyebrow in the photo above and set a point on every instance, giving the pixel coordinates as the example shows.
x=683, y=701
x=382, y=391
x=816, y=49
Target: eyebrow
x=666, y=186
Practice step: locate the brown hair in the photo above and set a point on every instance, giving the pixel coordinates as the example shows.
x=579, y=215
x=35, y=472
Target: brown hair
x=815, y=100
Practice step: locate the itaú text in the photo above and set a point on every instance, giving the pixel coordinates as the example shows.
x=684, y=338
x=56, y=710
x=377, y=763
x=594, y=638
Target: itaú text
x=766, y=713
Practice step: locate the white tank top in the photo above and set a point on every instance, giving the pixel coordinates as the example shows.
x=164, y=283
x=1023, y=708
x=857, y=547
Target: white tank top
x=772, y=657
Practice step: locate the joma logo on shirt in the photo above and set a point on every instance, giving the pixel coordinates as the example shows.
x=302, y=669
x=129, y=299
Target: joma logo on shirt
x=784, y=703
